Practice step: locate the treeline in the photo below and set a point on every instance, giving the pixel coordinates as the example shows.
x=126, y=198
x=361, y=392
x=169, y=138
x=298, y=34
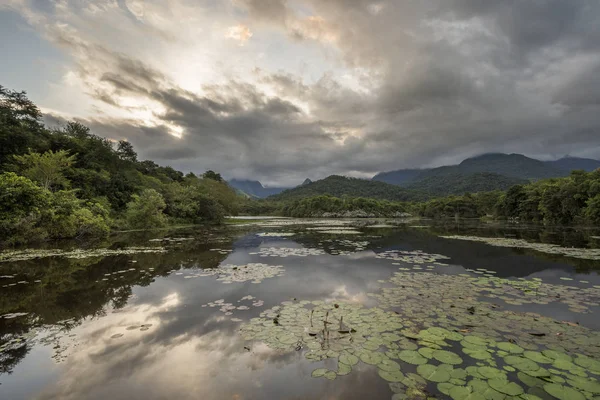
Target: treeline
x=558, y=201
x=326, y=206
x=68, y=182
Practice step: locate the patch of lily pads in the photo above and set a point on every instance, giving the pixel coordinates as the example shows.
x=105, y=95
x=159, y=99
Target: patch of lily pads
x=583, y=253
x=229, y=308
x=443, y=335
x=33, y=254
x=275, y=234
x=412, y=257
x=252, y=272
x=288, y=252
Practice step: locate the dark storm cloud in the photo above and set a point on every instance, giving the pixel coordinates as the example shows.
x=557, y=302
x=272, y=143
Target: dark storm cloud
x=433, y=82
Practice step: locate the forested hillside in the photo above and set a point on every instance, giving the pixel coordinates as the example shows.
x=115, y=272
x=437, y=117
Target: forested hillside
x=68, y=182
x=558, y=201
x=457, y=184
x=509, y=166
x=339, y=186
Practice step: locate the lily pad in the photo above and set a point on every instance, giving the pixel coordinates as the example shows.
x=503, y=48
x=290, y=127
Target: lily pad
x=391, y=376
x=563, y=392
x=412, y=357
x=506, y=387
x=433, y=373
x=447, y=357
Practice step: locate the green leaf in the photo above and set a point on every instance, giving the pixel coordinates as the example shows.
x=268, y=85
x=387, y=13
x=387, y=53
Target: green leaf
x=412, y=357
x=433, y=373
x=391, y=376
x=506, y=387
x=563, y=392
x=447, y=357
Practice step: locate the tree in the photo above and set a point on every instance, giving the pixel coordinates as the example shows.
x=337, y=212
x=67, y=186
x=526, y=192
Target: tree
x=22, y=206
x=46, y=169
x=126, y=152
x=189, y=204
x=146, y=210
x=20, y=126
x=592, y=211
x=212, y=175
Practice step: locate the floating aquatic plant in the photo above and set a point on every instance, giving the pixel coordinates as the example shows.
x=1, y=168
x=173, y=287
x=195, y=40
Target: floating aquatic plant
x=31, y=254
x=275, y=234
x=412, y=257
x=583, y=253
x=442, y=328
x=253, y=272
x=288, y=252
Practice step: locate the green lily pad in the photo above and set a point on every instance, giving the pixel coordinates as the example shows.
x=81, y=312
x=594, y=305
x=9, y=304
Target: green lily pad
x=388, y=365
x=585, y=384
x=465, y=393
x=447, y=357
x=506, y=387
x=348, y=359
x=331, y=375
x=445, y=387
x=557, y=355
x=426, y=352
x=319, y=372
x=433, y=373
x=537, y=357
x=563, y=392
x=477, y=354
x=391, y=376
x=492, y=373
x=521, y=363
x=343, y=369
x=510, y=347
x=412, y=357
x=371, y=357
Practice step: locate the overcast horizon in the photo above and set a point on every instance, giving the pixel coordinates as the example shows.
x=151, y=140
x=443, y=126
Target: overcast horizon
x=280, y=91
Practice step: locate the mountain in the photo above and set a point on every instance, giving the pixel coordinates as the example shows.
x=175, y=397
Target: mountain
x=401, y=177
x=512, y=165
x=458, y=184
x=508, y=165
x=306, y=182
x=254, y=188
x=340, y=186
x=573, y=163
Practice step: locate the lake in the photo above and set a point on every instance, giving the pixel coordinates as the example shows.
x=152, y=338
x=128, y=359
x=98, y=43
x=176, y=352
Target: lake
x=306, y=309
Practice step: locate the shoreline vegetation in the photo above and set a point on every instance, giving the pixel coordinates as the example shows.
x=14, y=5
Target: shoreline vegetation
x=68, y=183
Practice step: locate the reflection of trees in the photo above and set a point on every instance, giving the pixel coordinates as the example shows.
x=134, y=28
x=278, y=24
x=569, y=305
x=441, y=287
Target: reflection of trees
x=9, y=359
x=422, y=239
x=73, y=289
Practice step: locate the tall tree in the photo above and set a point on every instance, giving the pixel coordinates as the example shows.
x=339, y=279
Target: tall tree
x=46, y=169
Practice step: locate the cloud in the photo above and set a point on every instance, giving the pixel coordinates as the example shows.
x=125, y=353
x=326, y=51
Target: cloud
x=345, y=87
x=240, y=33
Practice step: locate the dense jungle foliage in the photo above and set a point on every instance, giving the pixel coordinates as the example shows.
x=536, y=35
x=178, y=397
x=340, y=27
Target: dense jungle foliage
x=68, y=182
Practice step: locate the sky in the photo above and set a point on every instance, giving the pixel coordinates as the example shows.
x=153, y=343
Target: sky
x=283, y=90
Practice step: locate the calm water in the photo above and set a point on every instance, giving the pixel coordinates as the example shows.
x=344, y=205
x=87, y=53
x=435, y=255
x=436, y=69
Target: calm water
x=140, y=326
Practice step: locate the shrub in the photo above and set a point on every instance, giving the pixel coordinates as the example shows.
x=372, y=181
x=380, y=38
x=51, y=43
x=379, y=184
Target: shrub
x=146, y=210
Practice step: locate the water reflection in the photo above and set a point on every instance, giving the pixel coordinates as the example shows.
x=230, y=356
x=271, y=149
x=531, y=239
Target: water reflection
x=70, y=345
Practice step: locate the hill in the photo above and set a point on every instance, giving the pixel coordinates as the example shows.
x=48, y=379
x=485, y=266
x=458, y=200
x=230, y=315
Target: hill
x=507, y=165
x=401, y=177
x=340, y=186
x=575, y=163
x=254, y=188
x=458, y=184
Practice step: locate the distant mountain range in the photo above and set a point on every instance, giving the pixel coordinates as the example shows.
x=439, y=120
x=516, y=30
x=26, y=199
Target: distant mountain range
x=256, y=189
x=488, y=172
x=508, y=165
x=340, y=186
